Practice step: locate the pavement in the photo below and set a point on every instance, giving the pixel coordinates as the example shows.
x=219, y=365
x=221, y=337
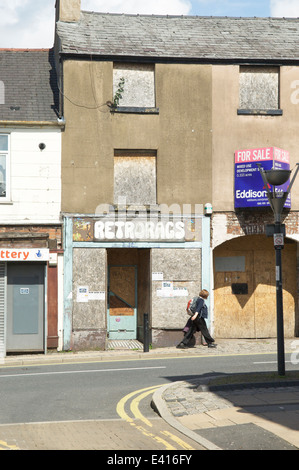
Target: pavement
x=250, y=415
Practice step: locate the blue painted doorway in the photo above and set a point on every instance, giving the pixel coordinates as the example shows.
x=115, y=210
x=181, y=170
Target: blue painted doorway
x=122, y=302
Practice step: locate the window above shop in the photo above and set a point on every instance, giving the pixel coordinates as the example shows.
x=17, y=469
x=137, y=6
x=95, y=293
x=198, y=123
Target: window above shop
x=259, y=90
x=135, y=177
x=134, y=88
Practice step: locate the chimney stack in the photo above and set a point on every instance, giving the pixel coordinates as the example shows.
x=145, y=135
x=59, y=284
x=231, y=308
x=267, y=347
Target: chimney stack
x=68, y=10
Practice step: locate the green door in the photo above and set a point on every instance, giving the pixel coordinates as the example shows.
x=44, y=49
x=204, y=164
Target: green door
x=122, y=302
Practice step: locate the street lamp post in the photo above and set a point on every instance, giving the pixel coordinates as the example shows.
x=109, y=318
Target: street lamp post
x=277, y=177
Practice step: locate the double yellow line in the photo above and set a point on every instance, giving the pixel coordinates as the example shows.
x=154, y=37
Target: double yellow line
x=134, y=407
x=5, y=446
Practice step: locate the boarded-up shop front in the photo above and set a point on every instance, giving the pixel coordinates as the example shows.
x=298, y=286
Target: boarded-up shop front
x=245, y=288
x=117, y=272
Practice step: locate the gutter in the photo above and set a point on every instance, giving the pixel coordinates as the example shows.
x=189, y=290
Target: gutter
x=60, y=123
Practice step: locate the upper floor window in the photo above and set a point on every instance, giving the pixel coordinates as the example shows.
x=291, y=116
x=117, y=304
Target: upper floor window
x=4, y=167
x=135, y=177
x=137, y=83
x=259, y=90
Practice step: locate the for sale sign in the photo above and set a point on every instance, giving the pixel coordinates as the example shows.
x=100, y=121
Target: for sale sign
x=250, y=190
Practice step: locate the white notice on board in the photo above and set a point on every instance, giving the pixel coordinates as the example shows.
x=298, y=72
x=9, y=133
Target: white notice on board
x=175, y=292
x=97, y=295
x=157, y=276
x=82, y=293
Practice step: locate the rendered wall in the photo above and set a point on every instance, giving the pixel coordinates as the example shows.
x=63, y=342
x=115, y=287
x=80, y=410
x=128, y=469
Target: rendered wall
x=180, y=133
x=232, y=132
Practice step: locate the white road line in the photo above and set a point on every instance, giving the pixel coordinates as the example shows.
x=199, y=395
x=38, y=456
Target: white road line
x=79, y=371
x=270, y=362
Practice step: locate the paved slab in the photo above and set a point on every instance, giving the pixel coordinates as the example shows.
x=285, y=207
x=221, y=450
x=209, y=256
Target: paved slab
x=261, y=417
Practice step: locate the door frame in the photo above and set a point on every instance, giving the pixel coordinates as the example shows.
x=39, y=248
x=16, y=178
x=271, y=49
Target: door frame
x=136, y=295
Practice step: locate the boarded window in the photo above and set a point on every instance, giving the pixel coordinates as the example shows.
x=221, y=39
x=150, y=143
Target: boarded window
x=135, y=177
x=259, y=88
x=230, y=263
x=139, y=85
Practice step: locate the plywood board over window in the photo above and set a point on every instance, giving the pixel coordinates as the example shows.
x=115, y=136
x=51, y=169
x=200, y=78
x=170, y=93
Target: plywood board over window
x=139, y=84
x=259, y=88
x=135, y=177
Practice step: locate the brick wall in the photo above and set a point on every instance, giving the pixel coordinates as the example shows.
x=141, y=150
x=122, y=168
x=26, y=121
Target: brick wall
x=227, y=225
x=38, y=236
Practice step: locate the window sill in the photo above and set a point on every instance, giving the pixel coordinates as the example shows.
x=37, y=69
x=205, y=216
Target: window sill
x=135, y=110
x=6, y=202
x=260, y=112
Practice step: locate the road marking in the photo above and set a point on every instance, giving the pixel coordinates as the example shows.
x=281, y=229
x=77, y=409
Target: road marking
x=176, y=439
x=134, y=407
x=270, y=362
x=63, y=361
x=120, y=408
x=33, y=374
x=5, y=446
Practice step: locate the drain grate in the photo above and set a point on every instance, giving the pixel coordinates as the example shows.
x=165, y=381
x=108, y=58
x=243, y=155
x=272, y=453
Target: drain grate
x=124, y=344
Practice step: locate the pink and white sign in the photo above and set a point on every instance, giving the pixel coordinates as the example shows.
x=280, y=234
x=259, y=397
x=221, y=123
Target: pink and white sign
x=262, y=154
x=249, y=186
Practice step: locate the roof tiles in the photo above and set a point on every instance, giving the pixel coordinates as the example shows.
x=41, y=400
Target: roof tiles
x=181, y=37
x=30, y=86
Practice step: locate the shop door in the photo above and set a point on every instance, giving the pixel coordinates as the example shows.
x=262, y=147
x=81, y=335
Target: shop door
x=122, y=302
x=25, y=307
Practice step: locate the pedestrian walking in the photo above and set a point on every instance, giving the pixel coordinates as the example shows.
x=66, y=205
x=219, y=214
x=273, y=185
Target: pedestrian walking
x=198, y=323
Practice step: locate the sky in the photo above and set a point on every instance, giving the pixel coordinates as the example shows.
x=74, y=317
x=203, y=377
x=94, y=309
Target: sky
x=30, y=23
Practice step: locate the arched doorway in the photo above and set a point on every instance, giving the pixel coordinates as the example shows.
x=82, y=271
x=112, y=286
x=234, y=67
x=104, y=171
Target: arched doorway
x=245, y=289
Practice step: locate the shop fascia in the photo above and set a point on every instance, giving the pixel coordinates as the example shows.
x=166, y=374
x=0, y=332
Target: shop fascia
x=24, y=254
x=162, y=223
x=139, y=230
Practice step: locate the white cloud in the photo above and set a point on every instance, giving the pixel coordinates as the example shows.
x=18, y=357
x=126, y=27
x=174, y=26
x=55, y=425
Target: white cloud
x=27, y=23
x=148, y=7
x=9, y=11
x=284, y=8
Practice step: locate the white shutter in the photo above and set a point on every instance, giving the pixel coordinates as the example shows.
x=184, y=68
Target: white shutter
x=2, y=310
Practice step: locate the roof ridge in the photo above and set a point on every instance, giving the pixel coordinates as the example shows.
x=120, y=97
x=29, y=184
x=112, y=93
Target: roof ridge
x=152, y=15
x=181, y=37
x=12, y=49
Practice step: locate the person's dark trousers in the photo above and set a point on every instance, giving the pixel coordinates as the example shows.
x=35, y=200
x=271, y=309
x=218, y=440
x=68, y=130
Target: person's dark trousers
x=188, y=336
x=202, y=326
